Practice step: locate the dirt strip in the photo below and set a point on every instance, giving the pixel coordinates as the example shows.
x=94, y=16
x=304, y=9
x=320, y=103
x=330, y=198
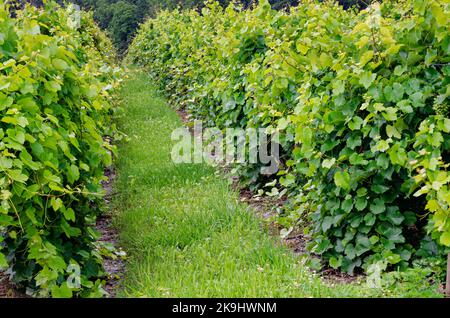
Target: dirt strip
x=114, y=263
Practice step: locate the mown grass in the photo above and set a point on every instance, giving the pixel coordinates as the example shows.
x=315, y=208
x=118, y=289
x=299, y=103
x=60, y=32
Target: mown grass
x=185, y=230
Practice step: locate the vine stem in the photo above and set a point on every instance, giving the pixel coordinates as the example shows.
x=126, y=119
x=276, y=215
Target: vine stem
x=17, y=213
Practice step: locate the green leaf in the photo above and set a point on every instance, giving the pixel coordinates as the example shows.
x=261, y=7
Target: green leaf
x=394, y=234
x=60, y=64
x=397, y=92
x=374, y=239
x=229, y=105
x=377, y=206
x=382, y=145
x=5, y=163
x=395, y=217
x=417, y=99
x=405, y=106
x=53, y=86
x=369, y=219
x=410, y=218
x=57, y=263
x=440, y=15
x=5, y=101
x=18, y=176
x=62, y=291
x=362, y=245
x=302, y=48
x=335, y=262
x=30, y=212
x=394, y=93
x=393, y=258
x=322, y=246
x=338, y=87
x=391, y=131
x=354, y=141
x=49, y=177
x=69, y=214
x=37, y=149
x=367, y=78
x=366, y=57
x=342, y=180
x=350, y=251
x=328, y=163
x=355, y=123
x=397, y=155
x=22, y=121
x=361, y=203
x=3, y=262
x=347, y=205
x=9, y=120
x=356, y=159
x=334, y=117
x=327, y=223
x=379, y=188
x=399, y=70
x=56, y=203
x=28, y=160
x=390, y=113
x=73, y=174
x=45, y=275
x=445, y=239
x=382, y=161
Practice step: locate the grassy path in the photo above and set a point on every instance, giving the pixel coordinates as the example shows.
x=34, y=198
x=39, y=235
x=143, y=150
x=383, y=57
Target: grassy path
x=185, y=231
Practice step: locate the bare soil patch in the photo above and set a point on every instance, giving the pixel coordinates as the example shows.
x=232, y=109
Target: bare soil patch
x=114, y=262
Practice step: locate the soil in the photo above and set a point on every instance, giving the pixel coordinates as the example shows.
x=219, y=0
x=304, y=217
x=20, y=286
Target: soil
x=113, y=265
x=183, y=115
x=8, y=290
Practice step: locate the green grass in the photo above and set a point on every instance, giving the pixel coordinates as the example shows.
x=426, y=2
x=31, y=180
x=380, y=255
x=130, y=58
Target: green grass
x=186, y=233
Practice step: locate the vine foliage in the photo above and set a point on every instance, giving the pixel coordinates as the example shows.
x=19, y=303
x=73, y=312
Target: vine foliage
x=56, y=79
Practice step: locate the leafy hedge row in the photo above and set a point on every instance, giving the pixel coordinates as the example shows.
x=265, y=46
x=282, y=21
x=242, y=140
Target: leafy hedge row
x=361, y=97
x=56, y=78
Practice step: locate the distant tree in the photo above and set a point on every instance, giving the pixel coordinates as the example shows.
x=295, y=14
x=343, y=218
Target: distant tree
x=103, y=13
x=124, y=21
